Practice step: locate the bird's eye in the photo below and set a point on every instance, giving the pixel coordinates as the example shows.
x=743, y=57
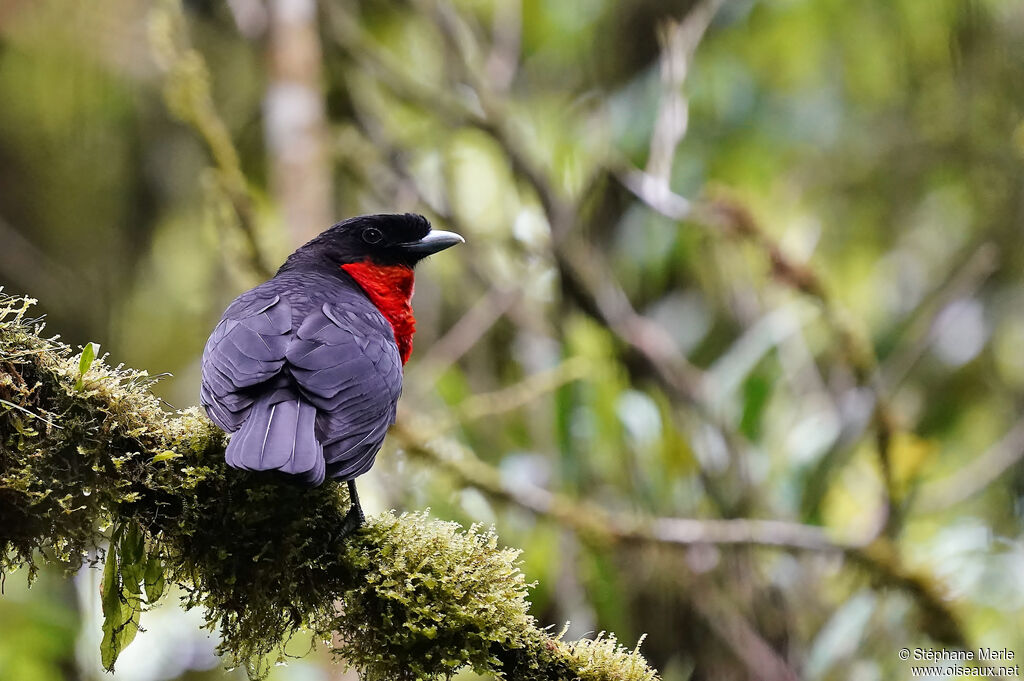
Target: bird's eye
x=372, y=235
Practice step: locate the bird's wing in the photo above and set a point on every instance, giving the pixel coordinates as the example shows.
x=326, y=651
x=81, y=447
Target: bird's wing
x=346, y=363
x=247, y=348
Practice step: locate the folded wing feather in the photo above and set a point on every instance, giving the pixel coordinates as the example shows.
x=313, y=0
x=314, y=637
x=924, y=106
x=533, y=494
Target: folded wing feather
x=309, y=394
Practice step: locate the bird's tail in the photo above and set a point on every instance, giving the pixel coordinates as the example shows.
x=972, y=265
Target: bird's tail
x=279, y=435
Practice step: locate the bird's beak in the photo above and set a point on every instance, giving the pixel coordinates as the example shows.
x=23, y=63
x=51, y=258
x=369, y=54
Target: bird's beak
x=435, y=240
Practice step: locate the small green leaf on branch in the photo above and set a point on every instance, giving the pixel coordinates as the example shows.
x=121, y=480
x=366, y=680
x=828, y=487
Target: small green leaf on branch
x=84, y=362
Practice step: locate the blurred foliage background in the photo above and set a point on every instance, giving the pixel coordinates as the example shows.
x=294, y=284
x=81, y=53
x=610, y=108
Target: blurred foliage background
x=725, y=260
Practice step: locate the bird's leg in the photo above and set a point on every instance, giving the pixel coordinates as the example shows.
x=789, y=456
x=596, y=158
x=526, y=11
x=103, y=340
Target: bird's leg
x=354, y=498
x=355, y=518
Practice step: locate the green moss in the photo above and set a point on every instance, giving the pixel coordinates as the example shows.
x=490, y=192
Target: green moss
x=90, y=455
x=602, y=658
x=439, y=598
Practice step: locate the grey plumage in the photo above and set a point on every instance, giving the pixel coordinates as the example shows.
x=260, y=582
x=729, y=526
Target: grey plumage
x=305, y=372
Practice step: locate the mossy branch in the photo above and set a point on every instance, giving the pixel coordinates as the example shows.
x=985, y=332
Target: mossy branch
x=405, y=598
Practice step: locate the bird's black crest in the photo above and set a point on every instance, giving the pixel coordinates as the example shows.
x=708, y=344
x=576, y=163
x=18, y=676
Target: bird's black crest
x=397, y=227
x=378, y=238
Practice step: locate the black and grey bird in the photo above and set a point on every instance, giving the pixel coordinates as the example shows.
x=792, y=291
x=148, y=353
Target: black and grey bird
x=305, y=369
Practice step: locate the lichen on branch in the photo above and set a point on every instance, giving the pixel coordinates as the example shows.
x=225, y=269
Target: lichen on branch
x=89, y=458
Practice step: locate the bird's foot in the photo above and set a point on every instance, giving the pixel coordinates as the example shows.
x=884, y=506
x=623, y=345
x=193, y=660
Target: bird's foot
x=355, y=518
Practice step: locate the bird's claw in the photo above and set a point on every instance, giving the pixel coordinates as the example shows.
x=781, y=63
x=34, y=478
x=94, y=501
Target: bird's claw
x=352, y=521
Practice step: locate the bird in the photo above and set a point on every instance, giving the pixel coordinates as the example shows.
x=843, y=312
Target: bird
x=305, y=370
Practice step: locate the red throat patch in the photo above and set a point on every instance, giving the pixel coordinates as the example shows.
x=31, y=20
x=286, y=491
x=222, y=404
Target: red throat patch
x=390, y=288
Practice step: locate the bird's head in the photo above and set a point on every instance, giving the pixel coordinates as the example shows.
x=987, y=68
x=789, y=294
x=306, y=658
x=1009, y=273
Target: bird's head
x=378, y=252
x=381, y=240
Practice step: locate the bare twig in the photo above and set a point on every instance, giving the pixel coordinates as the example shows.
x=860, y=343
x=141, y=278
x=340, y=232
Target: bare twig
x=656, y=194
x=963, y=281
x=470, y=328
x=976, y=476
x=679, y=41
x=419, y=438
x=603, y=298
x=187, y=93
x=756, y=654
x=523, y=393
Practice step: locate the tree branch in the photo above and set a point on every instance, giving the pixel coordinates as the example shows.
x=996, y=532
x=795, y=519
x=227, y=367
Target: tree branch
x=420, y=598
